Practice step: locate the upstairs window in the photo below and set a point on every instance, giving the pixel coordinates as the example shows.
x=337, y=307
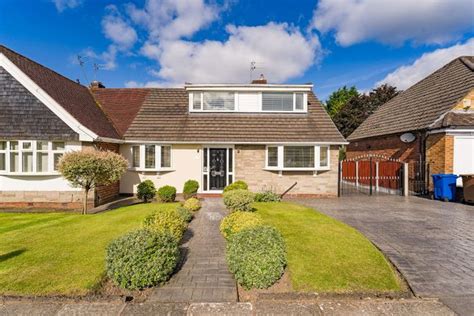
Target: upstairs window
x=282, y=102
x=218, y=101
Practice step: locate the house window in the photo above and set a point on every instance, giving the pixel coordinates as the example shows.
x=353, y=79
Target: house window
x=150, y=157
x=197, y=101
x=218, y=101
x=277, y=101
x=298, y=157
x=136, y=156
x=165, y=156
x=299, y=101
x=28, y=156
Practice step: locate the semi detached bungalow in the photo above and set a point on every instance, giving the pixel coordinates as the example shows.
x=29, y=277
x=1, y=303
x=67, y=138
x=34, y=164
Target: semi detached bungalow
x=271, y=136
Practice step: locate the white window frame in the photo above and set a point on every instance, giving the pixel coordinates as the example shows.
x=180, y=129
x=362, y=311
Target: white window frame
x=257, y=110
x=317, y=161
x=34, y=151
x=157, y=166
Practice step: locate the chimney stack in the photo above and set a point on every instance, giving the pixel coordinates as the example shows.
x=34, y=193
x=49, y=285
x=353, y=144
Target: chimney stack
x=96, y=85
x=260, y=80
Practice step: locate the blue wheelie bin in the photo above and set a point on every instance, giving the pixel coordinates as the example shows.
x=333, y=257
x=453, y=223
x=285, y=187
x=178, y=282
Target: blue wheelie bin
x=444, y=186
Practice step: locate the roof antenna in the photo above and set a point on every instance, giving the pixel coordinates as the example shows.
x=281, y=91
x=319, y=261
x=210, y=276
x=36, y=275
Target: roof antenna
x=81, y=61
x=252, y=69
x=96, y=69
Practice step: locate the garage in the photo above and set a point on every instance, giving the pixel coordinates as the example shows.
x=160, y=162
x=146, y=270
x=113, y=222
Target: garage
x=463, y=160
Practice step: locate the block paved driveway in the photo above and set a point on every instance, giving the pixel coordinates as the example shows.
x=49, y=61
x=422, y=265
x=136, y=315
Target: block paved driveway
x=430, y=242
x=203, y=275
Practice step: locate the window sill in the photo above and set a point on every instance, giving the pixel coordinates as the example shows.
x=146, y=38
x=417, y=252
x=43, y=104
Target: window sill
x=29, y=174
x=295, y=169
x=151, y=170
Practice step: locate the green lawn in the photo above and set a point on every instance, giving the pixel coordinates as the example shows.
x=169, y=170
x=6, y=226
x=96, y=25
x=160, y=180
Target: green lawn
x=325, y=255
x=60, y=254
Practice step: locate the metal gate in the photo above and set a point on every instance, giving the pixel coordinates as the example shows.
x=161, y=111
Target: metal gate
x=371, y=174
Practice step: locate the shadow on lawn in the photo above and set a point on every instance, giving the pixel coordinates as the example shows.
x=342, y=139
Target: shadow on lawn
x=11, y=254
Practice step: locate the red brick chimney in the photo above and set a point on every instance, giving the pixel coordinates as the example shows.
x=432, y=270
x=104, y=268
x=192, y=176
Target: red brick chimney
x=260, y=80
x=96, y=85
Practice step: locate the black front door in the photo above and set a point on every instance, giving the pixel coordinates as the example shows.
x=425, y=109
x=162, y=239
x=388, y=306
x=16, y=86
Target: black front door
x=218, y=168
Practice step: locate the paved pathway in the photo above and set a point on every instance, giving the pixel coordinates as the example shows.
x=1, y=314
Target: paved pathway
x=431, y=242
x=203, y=276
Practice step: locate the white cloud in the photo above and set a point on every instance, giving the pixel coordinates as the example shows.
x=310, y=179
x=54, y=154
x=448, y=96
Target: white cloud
x=149, y=84
x=283, y=52
x=406, y=76
x=62, y=5
x=394, y=22
x=117, y=29
x=106, y=60
x=173, y=19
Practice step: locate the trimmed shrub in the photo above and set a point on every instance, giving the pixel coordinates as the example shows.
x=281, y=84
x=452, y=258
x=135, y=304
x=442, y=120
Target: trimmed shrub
x=146, y=190
x=238, y=221
x=184, y=213
x=141, y=259
x=257, y=256
x=190, y=189
x=238, y=200
x=166, y=222
x=267, y=196
x=192, y=204
x=167, y=193
x=237, y=185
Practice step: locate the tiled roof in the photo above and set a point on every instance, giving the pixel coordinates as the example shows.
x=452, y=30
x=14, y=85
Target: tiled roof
x=422, y=104
x=456, y=120
x=73, y=97
x=164, y=116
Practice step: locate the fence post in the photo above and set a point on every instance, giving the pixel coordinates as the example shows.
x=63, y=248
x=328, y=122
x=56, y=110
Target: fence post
x=376, y=176
x=405, y=179
x=339, y=177
x=357, y=173
x=370, y=175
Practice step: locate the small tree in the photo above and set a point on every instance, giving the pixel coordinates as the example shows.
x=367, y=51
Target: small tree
x=146, y=190
x=91, y=168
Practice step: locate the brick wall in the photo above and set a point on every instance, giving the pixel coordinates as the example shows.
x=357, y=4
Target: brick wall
x=64, y=200
x=390, y=146
x=440, y=153
x=250, y=162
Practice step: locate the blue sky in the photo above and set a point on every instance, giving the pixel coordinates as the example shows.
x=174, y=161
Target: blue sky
x=330, y=43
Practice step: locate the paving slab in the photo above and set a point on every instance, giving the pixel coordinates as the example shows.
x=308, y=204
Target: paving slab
x=430, y=242
x=203, y=275
x=145, y=309
x=91, y=309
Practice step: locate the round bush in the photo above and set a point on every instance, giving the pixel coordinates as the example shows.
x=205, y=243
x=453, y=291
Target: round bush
x=184, y=213
x=238, y=221
x=167, y=193
x=190, y=189
x=167, y=222
x=267, y=196
x=141, y=259
x=256, y=256
x=146, y=190
x=237, y=185
x=192, y=204
x=238, y=200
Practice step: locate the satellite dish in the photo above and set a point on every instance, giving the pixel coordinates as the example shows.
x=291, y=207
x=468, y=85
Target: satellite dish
x=407, y=137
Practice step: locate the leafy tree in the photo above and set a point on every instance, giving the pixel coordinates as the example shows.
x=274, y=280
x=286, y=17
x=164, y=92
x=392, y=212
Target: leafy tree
x=91, y=168
x=361, y=107
x=339, y=98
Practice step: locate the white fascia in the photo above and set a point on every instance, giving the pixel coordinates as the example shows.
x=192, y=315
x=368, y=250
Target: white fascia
x=249, y=87
x=130, y=141
x=84, y=133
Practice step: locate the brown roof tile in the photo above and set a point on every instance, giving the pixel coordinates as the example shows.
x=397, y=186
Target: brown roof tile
x=73, y=97
x=455, y=120
x=423, y=103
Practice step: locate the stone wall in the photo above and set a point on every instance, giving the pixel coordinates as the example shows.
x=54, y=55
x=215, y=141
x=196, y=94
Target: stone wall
x=250, y=164
x=63, y=200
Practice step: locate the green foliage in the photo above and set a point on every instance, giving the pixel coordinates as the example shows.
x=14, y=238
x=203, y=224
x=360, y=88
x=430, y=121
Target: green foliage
x=339, y=98
x=237, y=185
x=192, y=204
x=237, y=221
x=256, y=256
x=146, y=190
x=267, y=196
x=359, y=108
x=141, y=258
x=167, y=222
x=91, y=168
x=167, y=193
x=238, y=200
x=184, y=213
x=190, y=189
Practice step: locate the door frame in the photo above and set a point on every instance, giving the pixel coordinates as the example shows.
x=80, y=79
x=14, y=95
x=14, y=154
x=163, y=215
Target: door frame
x=205, y=172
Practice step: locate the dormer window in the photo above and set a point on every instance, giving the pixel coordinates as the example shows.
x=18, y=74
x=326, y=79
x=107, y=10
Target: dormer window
x=218, y=101
x=282, y=101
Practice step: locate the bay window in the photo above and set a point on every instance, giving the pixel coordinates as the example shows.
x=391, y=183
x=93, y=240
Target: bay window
x=150, y=157
x=297, y=157
x=30, y=156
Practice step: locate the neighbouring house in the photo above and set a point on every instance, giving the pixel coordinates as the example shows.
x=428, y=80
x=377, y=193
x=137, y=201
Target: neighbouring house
x=273, y=136
x=432, y=122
